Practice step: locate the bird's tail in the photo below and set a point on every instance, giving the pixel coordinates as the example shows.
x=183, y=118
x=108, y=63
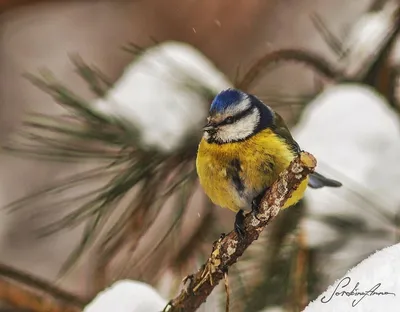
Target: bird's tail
x=316, y=180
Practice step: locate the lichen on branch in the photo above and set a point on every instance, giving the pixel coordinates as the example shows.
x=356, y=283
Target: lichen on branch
x=228, y=248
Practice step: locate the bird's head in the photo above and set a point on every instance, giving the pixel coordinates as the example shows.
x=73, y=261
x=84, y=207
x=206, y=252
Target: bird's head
x=235, y=116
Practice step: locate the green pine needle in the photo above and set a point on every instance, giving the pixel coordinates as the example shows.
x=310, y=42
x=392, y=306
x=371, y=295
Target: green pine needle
x=83, y=134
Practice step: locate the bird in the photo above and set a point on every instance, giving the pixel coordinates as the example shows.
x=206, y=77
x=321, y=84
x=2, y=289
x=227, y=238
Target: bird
x=244, y=147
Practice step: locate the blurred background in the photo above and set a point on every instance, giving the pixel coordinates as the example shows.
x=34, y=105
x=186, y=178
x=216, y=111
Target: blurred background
x=99, y=183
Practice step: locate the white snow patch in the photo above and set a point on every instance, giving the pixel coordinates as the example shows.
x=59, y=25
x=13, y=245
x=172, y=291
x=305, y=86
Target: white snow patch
x=377, y=276
x=127, y=296
x=154, y=94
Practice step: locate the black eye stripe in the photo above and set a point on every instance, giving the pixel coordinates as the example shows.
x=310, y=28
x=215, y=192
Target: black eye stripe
x=229, y=120
x=236, y=117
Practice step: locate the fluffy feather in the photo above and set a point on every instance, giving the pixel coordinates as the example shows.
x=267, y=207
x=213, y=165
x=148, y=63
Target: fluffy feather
x=241, y=129
x=262, y=157
x=244, y=148
x=226, y=98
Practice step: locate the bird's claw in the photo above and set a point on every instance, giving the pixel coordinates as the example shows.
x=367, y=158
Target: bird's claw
x=239, y=224
x=255, y=204
x=255, y=208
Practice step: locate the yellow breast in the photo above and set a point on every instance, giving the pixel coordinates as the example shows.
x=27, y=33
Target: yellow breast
x=260, y=159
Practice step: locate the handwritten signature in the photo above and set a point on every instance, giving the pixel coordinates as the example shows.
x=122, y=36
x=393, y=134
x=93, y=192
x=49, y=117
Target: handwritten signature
x=355, y=292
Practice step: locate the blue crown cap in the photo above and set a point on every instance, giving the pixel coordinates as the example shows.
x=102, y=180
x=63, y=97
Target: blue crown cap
x=226, y=98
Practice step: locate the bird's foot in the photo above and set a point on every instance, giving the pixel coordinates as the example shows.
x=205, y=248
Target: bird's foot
x=255, y=205
x=255, y=209
x=239, y=224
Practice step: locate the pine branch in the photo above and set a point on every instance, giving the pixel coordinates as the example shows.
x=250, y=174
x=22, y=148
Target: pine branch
x=21, y=290
x=314, y=61
x=229, y=248
x=334, y=43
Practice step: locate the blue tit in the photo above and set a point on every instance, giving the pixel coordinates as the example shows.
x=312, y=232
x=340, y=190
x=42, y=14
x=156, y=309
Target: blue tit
x=245, y=146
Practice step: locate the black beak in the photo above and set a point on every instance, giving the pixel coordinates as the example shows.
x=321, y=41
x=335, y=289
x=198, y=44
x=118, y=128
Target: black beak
x=210, y=128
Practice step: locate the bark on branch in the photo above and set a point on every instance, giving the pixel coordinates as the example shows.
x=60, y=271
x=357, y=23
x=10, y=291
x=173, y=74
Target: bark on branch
x=226, y=251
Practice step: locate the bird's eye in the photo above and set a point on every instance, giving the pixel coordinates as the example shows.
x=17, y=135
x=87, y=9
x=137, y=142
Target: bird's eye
x=229, y=120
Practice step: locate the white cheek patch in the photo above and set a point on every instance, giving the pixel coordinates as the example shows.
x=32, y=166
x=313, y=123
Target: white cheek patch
x=241, y=129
